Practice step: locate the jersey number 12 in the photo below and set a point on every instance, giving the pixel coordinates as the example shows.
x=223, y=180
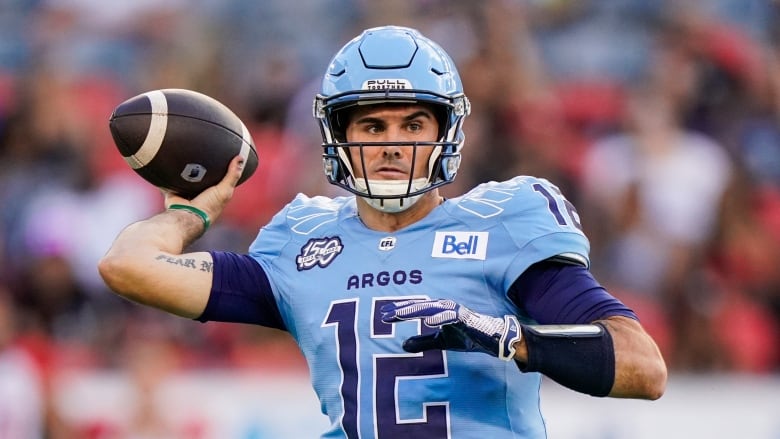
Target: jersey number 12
x=388, y=369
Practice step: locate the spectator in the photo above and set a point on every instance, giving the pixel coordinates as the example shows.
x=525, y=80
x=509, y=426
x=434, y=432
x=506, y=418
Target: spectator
x=655, y=191
x=22, y=412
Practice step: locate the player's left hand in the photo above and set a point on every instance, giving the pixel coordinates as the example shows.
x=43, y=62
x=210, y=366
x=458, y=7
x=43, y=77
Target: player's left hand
x=459, y=328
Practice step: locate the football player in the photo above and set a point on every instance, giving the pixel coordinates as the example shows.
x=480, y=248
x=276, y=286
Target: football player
x=418, y=316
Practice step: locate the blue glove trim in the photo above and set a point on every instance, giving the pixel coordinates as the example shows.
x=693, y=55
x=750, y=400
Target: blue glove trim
x=511, y=335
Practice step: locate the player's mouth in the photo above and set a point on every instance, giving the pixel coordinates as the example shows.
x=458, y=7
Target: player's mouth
x=390, y=173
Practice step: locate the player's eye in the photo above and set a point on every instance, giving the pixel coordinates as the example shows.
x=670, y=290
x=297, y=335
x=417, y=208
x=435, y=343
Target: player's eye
x=374, y=128
x=414, y=126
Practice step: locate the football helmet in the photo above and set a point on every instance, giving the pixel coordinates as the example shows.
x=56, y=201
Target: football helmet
x=391, y=64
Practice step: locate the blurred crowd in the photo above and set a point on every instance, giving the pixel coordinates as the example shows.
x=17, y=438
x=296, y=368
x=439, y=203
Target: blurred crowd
x=659, y=120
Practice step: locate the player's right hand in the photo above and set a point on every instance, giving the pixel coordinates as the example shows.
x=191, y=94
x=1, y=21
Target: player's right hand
x=214, y=199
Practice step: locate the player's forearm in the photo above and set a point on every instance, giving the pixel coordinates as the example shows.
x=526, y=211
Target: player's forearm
x=640, y=371
x=134, y=266
x=621, y=362
x=170, y=231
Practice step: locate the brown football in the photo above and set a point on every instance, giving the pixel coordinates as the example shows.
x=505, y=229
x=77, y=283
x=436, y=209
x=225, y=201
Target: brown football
x=181, y=140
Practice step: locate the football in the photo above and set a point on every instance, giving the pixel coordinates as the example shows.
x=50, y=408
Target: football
x=181, y=140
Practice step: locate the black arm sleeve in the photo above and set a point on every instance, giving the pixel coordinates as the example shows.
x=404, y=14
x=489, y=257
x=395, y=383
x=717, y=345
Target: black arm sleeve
x=583, y=362
x=241, y=293
x=552, y=292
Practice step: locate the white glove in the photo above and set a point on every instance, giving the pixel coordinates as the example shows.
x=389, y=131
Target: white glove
x=460, y=329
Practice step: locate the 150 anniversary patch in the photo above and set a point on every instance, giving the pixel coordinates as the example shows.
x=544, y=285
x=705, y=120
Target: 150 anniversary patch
x=318, y=252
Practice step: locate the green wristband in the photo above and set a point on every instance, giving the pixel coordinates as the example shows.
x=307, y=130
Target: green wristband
x=203, y=215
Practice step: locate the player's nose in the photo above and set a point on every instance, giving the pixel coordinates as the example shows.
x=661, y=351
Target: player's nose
x=391, y=151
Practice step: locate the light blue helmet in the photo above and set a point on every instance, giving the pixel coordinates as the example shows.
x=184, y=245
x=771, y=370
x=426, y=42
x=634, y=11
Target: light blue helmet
x=384, y=65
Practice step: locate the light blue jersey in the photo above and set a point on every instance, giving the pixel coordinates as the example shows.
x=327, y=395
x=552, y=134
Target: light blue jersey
x=330, y=276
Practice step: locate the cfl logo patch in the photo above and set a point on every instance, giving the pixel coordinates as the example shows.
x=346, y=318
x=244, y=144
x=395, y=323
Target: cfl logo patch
x=387, y=244
x=318, y=252
x=460, y=245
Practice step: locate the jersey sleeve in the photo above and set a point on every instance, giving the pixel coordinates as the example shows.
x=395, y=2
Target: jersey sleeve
x=542, y=224
x=551, y=292
x=241, y=293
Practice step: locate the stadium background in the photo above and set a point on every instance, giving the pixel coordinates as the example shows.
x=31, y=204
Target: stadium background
x=686, y=230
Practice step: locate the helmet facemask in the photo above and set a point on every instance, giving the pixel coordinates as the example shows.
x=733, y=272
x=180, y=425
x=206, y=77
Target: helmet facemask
x=392, y=196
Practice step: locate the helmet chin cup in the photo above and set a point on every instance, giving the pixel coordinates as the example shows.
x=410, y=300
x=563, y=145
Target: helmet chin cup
x=392, y=205
x=390, y=196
